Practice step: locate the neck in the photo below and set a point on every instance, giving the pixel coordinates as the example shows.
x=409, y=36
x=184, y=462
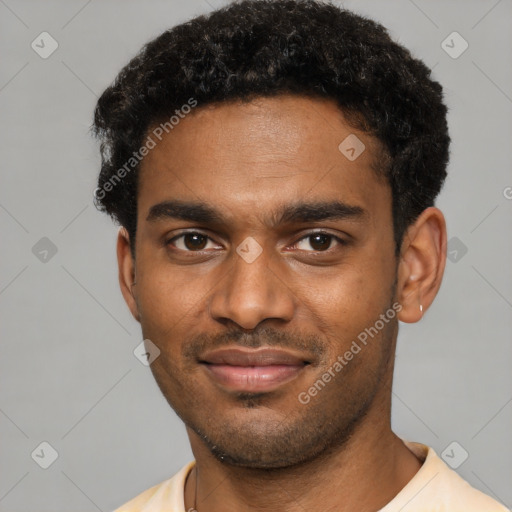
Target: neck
x=362, y=475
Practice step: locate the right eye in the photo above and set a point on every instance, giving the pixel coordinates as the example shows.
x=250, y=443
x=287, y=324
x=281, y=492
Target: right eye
x=191, y=241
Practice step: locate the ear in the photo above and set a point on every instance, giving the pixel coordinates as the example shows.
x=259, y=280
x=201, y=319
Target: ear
x=126, y=266
x=422, y=263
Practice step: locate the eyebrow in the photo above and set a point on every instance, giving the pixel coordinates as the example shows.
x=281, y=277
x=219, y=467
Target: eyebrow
x=290, y=213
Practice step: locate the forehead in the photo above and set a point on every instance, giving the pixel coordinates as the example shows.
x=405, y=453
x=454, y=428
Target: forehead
x=255, y=154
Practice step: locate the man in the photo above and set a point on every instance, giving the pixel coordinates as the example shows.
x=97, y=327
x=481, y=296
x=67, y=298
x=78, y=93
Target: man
x=274, y=167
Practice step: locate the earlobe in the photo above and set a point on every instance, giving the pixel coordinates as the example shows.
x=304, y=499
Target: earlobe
x=126, y=267
x=422, y=263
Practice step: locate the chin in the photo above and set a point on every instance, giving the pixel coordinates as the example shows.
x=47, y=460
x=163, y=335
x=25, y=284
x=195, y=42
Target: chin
x=265, y=443
x=256, y=461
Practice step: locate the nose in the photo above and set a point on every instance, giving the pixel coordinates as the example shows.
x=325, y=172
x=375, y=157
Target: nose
x=252, y=292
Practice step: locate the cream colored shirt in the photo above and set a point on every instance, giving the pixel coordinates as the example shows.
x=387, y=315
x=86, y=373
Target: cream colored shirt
x=434, y=488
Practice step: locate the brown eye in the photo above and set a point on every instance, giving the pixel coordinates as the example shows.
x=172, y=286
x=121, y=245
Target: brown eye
x=319, y=242
x=195, y=241
x=190, y=242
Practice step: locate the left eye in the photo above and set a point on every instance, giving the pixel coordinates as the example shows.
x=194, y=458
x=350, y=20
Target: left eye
x=318, y=242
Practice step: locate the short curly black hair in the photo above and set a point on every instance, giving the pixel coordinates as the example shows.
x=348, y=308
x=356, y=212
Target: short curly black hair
x=262, y=48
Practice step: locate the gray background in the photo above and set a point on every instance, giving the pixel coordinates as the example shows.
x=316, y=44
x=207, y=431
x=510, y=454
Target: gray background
x=68, y=373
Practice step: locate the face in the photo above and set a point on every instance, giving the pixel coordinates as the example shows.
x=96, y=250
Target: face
x=262, y=254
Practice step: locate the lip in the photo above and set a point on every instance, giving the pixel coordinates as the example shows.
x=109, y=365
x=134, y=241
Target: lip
x=244, y=370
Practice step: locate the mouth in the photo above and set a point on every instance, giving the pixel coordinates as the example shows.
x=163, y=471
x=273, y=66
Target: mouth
x=244, y=370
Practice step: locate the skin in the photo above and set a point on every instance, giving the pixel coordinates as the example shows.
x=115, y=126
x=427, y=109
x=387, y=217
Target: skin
x=269, y=451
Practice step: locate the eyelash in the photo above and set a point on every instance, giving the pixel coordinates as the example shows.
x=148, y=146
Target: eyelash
x=339, y=240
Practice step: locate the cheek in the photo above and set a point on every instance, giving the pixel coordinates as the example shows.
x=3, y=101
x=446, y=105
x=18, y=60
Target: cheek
x=168, y=297
x=357, y=289
x=348, y=302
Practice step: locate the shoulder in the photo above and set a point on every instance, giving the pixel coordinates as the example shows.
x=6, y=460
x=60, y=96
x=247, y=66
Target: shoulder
x=167, y=495
x=437, y=487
